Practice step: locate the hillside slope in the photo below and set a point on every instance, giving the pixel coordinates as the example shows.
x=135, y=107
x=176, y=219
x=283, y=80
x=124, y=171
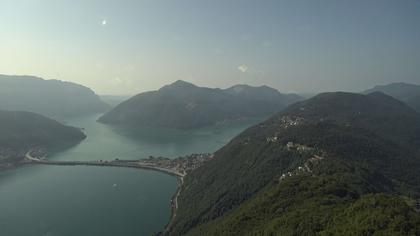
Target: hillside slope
x=52, y=98
x=318, y=167
x=22, y=131
x=184, y=105
x=408, y=93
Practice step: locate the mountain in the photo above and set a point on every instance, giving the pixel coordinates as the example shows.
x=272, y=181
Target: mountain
x=52, y=98
x=336, y=164
x=23, y=131
x=113, y=100
x=184, y=105
x=408, y=93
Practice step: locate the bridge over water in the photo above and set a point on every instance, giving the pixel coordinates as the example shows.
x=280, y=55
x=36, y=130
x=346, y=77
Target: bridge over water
x=112, y=163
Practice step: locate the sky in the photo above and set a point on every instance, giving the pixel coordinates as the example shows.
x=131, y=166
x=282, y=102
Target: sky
x=124, y=47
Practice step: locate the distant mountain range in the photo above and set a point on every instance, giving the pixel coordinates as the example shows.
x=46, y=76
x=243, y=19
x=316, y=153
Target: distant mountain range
x=184, y=105
x=114, y=100
x=51, y=98
x=336, y=164
x=22, y=131
x=408, y=93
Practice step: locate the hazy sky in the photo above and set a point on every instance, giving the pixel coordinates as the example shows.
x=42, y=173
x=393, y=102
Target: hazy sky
x=125, y=47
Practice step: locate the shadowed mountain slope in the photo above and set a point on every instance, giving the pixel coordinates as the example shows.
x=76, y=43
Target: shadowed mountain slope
x=184, y=105
x=23, y=131
x=408, y=93
x=335, y=164
x=52, y=98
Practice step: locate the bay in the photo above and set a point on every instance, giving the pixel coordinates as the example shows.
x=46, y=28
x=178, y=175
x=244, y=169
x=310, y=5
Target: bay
x=81, y=200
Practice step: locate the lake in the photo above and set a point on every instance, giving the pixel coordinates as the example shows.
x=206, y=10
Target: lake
x=81, y=200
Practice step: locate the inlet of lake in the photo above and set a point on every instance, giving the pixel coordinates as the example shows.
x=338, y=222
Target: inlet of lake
x=100, y=201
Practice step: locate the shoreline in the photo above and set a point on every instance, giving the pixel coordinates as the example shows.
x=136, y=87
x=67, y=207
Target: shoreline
x=64, y=163
x=29, y=160
x=173, y=201
x=155, y=164
x=174, y=206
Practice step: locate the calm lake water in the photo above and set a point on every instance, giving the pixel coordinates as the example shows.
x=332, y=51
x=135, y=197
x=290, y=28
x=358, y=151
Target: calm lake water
x=91, y=201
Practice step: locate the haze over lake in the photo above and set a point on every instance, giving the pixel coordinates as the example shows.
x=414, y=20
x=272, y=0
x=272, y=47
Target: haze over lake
x=209, y=118
x=79, y=200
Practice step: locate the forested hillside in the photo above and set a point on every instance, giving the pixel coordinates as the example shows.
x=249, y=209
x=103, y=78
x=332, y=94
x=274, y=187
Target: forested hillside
x=184, y=105
x=23, y=131
x=408, y=93
x=336, y=164
x=52, y=98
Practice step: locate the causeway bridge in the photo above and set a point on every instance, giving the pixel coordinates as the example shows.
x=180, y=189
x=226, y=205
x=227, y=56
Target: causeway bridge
x=106, y=163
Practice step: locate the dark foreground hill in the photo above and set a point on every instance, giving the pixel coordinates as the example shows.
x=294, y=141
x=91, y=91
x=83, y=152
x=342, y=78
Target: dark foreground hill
x=51, y=98
x=23, y=131
x=408, y=93
x=336, y=164
x=184, y=105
